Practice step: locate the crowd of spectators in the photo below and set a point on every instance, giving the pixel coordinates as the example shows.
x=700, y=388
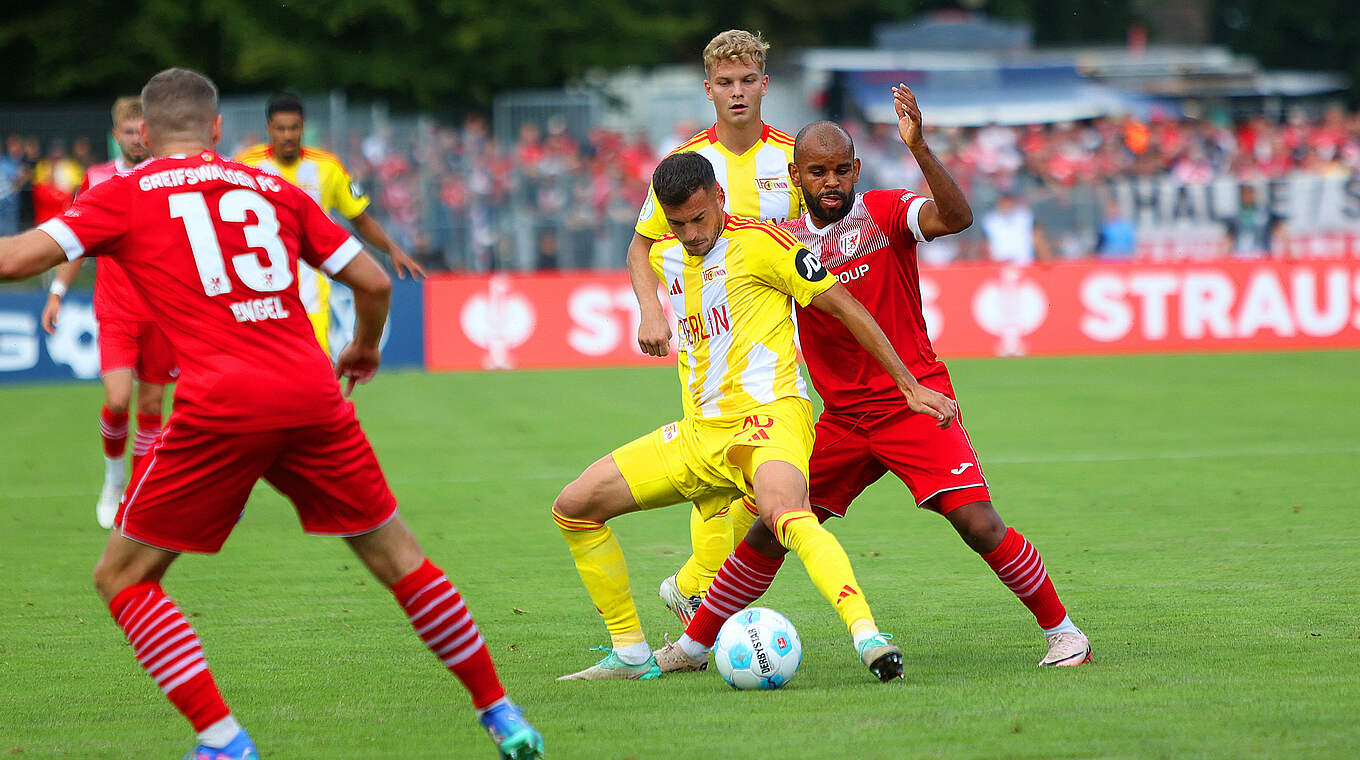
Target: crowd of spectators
x=459, y=200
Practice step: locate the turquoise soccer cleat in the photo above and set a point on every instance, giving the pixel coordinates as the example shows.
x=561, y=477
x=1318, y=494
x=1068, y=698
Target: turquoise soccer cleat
x=515, y=739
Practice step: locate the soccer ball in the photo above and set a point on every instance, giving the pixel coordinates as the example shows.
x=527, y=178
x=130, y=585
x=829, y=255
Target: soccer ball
x=758, y=648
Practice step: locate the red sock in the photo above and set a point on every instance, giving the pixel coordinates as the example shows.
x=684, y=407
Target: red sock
x=148, y=430
x=168, y=649
x=114, y=429
x=442, y=620
x=743, y=577
x=1018, y=564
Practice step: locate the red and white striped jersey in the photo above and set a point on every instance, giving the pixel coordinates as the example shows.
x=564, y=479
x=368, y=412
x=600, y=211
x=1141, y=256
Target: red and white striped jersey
x=872, y=251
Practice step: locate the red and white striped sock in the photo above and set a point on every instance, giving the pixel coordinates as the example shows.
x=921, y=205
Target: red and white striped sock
x=148, y=430
x=442, y=621
x=168, y=649
x=743, y=577
x=1018, y=564
x=114, y=430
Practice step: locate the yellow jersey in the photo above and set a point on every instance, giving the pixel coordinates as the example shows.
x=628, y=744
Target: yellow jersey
x=734, y=318
x=756, y=183
x=320, y=174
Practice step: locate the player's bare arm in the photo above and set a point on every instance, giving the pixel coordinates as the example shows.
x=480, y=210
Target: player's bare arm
x=372, y=297
x=839, y=303
x=373, y=233
x=950, y=213
x=28, y=254
x=65, y=275
x=654, y=330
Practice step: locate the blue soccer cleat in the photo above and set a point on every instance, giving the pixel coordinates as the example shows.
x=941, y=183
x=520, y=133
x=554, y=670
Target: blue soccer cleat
x=514, y=737
x=240, y=748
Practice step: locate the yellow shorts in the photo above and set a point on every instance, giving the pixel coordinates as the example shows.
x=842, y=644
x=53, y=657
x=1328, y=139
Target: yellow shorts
x=713, y=461
x=315, y=291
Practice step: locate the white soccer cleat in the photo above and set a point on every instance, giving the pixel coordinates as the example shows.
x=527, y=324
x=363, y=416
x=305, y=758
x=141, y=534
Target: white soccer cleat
x=672, y=659
x=1066, y=650
x=683, y=606
x=611, y=668
x=107, y=508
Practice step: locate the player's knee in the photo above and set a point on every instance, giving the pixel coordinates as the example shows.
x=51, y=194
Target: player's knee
x=979, y=526
x=575, y=501
x=108, y=581
x=116, y=405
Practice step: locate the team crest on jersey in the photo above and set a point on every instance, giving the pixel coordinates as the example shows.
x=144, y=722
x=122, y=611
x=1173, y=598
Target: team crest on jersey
x=849, y=242
x=774, y=183
x=713, y=273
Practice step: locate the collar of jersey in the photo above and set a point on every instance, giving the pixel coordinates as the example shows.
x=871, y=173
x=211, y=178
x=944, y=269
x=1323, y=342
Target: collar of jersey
x=751, y=151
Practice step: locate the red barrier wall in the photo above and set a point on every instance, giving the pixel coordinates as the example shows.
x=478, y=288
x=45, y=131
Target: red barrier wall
x=576, y=320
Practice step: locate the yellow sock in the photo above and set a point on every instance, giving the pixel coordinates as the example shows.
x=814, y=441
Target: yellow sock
x=599, y=560
x=744, y=515
x=710, y=542
x=827, y=565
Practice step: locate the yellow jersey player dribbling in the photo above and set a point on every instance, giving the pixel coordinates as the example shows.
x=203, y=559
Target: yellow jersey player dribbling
x=751, y=162
x=747, y=428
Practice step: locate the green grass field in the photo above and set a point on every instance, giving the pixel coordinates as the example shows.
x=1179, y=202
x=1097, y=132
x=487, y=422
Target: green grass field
x=1198, y=515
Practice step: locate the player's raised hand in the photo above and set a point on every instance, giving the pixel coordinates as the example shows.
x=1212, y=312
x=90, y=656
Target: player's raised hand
x=908, y=116
x=405, y=265
x=49, y=313
x=357, y=364
x=654, y=335
x=925, y=401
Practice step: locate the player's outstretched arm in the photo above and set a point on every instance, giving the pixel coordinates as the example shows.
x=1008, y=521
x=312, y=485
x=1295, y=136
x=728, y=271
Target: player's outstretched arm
x=654, y=330
x=841, y=304
x=372, y=297
x=950, y=212
x=373, y=233
x=28, y=254
x=66, y=274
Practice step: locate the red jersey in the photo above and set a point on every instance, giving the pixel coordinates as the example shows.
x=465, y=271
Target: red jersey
x=872, y=250
x=213, y=247
x=114, y=296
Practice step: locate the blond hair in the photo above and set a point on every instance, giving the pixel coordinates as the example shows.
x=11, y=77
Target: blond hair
x=735, y=46
x=125, y=108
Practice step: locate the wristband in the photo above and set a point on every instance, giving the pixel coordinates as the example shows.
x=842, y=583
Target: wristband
x=57, y=289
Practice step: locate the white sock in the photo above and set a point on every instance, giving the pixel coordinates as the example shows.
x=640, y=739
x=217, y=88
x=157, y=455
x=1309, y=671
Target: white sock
x=502, y=701
x=113, y=470
x=220, y=734
x=692, y=649
x=864, y=636
x=634, y=654
x=1066, y=626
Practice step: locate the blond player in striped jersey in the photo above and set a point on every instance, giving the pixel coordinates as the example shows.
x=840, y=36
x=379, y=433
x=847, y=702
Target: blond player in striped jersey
x=751, y=162
x=320, y=174
x=747, y=427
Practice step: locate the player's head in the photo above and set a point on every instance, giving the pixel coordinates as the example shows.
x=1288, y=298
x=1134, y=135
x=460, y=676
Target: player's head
x=127, y=129
x=825, y=167
x=735, y=79
x=691, y=200
x=283, y=122
x=179, y=111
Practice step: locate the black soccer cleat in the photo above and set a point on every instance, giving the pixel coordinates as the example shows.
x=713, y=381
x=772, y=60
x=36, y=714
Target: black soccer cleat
x=882, y=657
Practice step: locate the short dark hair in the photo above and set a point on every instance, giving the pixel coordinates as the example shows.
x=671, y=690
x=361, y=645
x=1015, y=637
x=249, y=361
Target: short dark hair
x=680, y=175
x=179, y=102
x=283, y=102
x=823, y=132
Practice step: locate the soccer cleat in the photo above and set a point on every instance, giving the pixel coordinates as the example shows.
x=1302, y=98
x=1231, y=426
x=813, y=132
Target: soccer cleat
x=240, y=748
x=515, y=739
x=672, y=659
x=107, y=509
x=683, y=606
x=882, y=657
x=1066, y=650
x=611, y=668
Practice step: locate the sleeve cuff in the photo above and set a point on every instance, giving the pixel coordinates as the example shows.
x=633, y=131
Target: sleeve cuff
x=342, y=256
x=914, y=217
x=58, y=231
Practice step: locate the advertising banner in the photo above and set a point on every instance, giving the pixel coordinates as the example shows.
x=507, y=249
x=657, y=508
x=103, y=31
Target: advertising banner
x=580, y=320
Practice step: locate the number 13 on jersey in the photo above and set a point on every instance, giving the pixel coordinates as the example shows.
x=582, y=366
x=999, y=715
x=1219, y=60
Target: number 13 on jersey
x=192, y=210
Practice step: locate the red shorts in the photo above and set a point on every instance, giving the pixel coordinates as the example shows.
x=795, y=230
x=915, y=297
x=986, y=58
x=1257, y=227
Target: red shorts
x=138, y=346
x=939, y=466
x=191, y=490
